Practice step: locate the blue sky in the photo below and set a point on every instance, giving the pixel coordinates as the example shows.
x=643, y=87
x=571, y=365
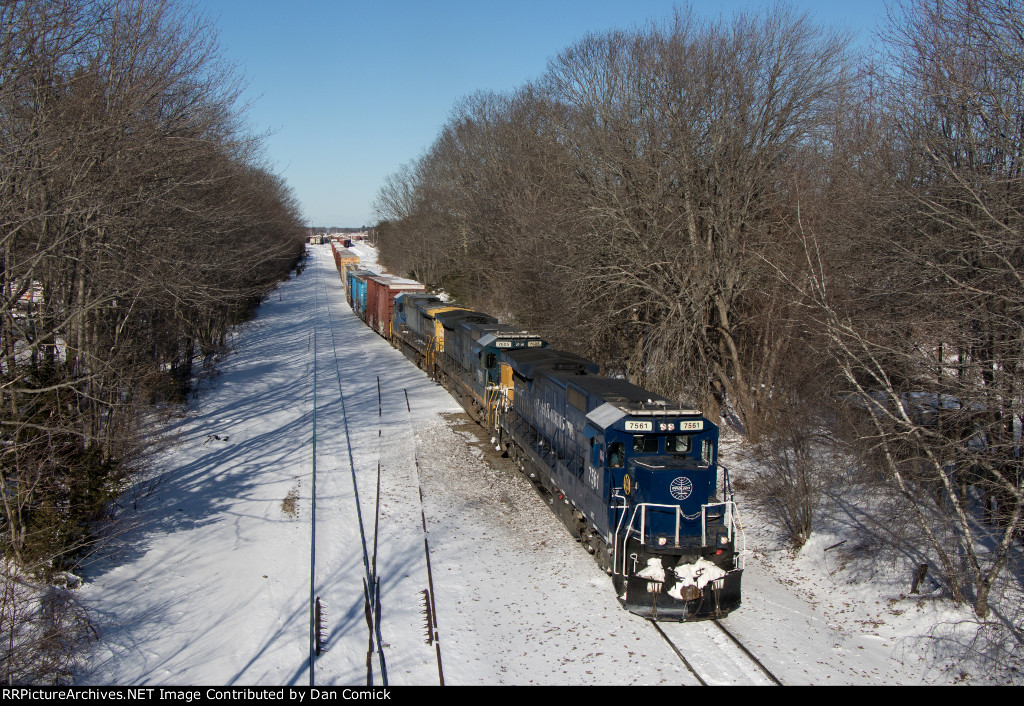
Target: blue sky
x=349, y=91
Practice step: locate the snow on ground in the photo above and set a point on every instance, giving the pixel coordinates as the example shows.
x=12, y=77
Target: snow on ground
x=855, y=587
x=214, y=586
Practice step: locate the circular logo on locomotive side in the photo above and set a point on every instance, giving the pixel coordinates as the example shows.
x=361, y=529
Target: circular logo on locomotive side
x=681, y=488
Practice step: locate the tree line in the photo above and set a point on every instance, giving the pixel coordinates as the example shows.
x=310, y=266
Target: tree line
x=137, y=225
x=823, y=246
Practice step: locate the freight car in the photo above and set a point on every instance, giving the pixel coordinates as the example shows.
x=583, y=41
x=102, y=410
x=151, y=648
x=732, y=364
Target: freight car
x=343, y=259
x=381, y=291
x=634, y=476
x=356, y=290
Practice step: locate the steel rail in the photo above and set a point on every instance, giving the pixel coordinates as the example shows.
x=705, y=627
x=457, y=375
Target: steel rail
x=312, y=540
x=679, y=654
x=748, y=653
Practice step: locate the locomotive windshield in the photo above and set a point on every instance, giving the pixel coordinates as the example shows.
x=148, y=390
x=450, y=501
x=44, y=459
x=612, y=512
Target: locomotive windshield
x=652, y=444
x=678, y=444
x=645, y=444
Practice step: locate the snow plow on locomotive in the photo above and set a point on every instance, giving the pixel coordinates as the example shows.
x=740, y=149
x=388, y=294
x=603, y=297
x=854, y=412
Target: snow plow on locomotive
x=633, y=476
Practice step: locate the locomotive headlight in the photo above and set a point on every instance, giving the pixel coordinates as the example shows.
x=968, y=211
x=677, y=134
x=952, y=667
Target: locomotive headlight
x=723, y=539
x=662, y=541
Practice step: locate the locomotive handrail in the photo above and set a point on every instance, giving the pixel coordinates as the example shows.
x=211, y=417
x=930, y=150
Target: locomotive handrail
x=492, y=395
x=727, y=519
x=726, y=482
x=730, y=520
x=741, y=553
x=618, y=526
x=642, y=508
x=430, y=355
x=732, y=524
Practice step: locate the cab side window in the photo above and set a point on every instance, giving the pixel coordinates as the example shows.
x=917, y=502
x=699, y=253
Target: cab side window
x=616, y=455
x=707, y=451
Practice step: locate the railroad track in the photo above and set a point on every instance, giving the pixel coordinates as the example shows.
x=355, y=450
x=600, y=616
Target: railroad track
x=365, y=406
x=371, y=592
x=713, y=655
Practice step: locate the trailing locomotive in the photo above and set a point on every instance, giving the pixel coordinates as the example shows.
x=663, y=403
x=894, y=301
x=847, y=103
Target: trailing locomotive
x=633, y=476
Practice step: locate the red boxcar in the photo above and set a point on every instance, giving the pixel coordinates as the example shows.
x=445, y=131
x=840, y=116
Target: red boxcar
x=381, y=291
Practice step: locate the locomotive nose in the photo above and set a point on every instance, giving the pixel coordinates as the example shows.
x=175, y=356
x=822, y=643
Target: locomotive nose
x=664, y=481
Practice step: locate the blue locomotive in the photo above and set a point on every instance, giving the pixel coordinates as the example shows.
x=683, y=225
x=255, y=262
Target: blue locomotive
x=633, y=476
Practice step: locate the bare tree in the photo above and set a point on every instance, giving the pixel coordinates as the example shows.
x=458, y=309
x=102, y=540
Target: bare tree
x=929, y=340
x=136, y=225
x=688, y=139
